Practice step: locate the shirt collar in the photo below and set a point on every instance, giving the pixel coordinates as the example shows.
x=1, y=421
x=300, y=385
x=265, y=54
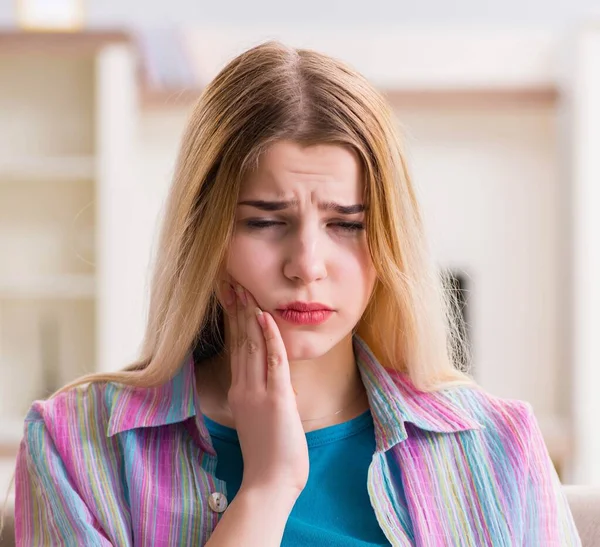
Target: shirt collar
x=172, y=402
x=394, y=401
x=392, y=397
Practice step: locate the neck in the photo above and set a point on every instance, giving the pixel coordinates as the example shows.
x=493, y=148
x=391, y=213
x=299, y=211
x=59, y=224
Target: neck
x=324, y=386
x=328, y=384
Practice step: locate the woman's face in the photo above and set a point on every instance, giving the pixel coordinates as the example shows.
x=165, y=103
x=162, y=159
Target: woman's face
x=299, y=237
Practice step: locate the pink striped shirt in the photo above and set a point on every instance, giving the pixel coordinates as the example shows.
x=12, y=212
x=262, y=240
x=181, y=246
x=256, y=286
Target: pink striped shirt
x=106, y=464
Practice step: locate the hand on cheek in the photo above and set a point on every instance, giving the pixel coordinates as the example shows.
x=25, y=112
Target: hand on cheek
x=227, y=292
x=261, y=398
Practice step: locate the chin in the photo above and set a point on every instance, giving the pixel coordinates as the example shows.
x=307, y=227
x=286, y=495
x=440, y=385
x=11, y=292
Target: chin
x=305, y=345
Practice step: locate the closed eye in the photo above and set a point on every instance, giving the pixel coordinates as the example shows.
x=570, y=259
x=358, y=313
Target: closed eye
x=350, y=226
x=346, y=226
x=258, y=224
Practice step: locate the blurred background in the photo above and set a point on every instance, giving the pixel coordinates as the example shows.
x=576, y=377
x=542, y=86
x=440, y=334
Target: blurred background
x=499, y=104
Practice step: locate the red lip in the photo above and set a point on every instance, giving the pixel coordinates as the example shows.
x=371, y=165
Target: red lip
x=305, y=306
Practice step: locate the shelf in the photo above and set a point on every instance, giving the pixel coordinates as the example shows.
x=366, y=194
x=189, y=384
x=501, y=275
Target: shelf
x=14, y=41
x=153, y=98
x=473, y=98
x=47, y=168
x=68, y=286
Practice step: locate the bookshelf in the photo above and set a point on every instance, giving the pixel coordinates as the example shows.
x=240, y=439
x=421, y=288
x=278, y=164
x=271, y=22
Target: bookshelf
x=68, y=105
x=51, y=168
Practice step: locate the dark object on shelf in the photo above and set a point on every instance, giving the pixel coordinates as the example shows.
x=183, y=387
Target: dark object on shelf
x=456, y=283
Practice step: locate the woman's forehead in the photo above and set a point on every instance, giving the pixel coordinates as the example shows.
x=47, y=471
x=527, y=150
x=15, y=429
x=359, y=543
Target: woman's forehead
x=287, y=169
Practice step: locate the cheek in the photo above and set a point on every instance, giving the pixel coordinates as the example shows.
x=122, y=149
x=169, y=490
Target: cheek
x=249, y=261
x=358, y=279
x=357, y=282
x=356, y=266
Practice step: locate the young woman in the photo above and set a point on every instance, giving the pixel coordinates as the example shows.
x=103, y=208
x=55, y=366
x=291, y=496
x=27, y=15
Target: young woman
x=299, y=382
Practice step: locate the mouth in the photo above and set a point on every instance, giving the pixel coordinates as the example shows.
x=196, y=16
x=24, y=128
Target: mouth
x=305, y=307
x=305, y=313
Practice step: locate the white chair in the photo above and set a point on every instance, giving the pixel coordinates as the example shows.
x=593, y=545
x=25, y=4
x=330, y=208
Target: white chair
x=584, y=502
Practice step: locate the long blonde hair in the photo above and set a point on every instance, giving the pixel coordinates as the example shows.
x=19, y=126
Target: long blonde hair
x=269, y=93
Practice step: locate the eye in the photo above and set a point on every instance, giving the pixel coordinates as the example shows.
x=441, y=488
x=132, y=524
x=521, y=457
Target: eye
x=256, y=224
x=349, y=226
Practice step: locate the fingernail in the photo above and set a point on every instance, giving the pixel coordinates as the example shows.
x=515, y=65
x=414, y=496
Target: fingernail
x=259, y=316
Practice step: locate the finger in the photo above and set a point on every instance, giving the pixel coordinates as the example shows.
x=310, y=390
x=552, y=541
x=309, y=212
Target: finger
x=226, y=297
x=278, y=368
x=240, y=347
x=232, y=322
x=256, y=357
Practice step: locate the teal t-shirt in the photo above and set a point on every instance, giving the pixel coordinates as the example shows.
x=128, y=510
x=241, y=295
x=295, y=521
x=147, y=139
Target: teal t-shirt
x=334, y=508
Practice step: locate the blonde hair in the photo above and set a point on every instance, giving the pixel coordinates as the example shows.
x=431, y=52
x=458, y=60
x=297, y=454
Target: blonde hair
x=267, y=94
x=270, y=93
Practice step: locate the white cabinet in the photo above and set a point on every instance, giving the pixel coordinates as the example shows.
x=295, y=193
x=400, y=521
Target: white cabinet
x=68, y=105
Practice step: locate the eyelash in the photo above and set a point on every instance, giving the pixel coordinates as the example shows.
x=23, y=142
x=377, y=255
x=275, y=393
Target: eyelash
x=348, y=226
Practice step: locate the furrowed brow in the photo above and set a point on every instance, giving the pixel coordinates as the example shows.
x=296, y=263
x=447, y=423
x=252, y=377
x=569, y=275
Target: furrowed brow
x=264, y=205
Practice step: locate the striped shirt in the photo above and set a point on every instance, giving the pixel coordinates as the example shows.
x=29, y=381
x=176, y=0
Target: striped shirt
x=107, y=464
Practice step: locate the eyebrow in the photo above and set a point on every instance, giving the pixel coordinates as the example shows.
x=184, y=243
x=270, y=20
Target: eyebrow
x=323, y=206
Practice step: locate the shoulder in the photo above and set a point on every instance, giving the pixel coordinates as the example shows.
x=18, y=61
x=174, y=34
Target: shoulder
x=70, y=473
x=491, y=410
x=503, y=419
x=75, y=418
x=75, y=402
x=509, y=430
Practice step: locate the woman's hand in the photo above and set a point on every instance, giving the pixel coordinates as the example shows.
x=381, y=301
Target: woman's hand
x=262, y=400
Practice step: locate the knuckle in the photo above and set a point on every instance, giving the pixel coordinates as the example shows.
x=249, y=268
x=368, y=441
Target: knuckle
x=252, y=347
x=241, y=341
x=273, y=360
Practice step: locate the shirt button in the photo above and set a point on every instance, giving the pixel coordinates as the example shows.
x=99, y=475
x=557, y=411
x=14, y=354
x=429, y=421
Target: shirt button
x=217, y=502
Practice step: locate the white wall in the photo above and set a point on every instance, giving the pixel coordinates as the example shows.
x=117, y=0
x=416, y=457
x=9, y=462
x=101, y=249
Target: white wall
x=333, y=12
x=491, y=194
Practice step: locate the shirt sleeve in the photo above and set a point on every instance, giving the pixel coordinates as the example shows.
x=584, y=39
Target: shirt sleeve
x=48, y=508
x=548, y=518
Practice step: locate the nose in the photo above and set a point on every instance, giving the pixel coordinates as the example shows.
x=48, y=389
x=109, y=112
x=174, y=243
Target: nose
x=305, y=256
